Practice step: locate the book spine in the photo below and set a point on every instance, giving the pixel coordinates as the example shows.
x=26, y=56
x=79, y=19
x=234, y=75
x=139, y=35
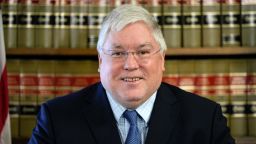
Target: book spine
x=171, y=23
x=155, y=8
x=82, y=76
x=186, y=72
x=63, y=78
x=76, y=24
x=251, y=97
x=61, y=32
x=46, y=81
x=238, y=82
x=192, y=20
x=14, y=95
x=211, y=23
x=171, y=72
x=44, y=24
x=147, y=5
x=93, y=74
x=80, y=71
x=111, y=4
x=26, y=25
x=138, y=2
x=248, y=23
x=79, y=81
x=132, y=2
x=97, y=12
x=10, y=22
x=28, y=96
x=221, y=89
x=204, y=78
x=115, y=3
x=230, y=13
x=83, y=17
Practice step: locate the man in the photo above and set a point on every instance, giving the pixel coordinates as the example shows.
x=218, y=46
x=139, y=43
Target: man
x=131, y=105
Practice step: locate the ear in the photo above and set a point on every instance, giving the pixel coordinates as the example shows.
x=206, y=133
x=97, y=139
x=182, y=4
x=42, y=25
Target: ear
x=100, y=61
x=163, y=63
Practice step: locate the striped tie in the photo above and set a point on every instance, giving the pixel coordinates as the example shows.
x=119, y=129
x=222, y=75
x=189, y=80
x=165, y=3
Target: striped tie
x=133, y=136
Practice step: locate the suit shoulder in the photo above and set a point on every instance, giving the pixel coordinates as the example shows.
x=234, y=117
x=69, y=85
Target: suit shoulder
x=75, y=98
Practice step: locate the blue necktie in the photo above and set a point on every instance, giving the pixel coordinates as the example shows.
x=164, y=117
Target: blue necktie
x=133, y=136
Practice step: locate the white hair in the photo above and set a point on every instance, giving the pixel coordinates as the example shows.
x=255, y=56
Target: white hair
x=127, y=14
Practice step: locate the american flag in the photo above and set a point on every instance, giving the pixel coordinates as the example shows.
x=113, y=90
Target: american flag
x=5, y=133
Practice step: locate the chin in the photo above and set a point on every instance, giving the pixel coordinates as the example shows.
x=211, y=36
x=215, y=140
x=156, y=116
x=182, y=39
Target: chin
x=134, y=98
x=133, y=103
x=132, y=93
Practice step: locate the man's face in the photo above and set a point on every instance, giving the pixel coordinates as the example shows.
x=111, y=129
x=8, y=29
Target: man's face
x=132, y=80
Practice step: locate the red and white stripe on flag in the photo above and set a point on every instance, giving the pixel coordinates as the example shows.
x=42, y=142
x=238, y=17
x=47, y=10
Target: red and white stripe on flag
x=5, y=132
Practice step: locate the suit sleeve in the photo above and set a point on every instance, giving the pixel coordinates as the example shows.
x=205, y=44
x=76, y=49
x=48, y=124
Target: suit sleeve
x=221, y=133
x=42, y=133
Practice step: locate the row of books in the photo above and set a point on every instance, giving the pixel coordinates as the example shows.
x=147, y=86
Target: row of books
x=231, y=83
x=76, y=23
x=32, y=82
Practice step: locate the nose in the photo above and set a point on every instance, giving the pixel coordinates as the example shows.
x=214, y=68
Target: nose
x=131, y=62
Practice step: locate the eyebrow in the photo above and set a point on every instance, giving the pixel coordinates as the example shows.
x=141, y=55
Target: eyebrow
x=145, y=44
x=119, y=46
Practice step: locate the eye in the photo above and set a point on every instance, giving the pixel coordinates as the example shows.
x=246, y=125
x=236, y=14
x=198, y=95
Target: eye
x=143, y=52
x=117, y=53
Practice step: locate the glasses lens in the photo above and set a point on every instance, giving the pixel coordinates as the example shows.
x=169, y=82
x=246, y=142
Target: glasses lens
x=141, y=54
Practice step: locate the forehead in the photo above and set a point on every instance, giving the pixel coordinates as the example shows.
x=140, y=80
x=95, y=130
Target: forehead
x=132, y=35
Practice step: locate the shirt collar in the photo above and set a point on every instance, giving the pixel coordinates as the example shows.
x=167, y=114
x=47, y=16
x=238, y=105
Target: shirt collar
x=143, y=110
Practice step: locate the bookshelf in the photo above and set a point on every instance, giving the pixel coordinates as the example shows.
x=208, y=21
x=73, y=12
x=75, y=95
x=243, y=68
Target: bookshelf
x=176, y=26
x=227, y=51
x=177, y=53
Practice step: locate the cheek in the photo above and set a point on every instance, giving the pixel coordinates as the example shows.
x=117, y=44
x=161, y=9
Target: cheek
x=156, y=66
x=105, y=68
x=108, y=69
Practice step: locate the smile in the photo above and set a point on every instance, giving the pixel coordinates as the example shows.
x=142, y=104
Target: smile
x=131, y=79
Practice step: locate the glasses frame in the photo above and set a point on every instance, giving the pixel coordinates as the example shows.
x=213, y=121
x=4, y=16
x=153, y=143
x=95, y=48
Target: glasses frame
x=125, y=54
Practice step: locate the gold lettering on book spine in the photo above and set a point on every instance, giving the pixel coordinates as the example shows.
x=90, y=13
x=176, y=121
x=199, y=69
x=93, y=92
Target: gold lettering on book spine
x=14, y=95
x=26, y=25
x=28, y=96
x=231, y=34
x=251, y=97
x=191, y=13
x=211, y=24
x=238, y=82
x=44, y=24
x=171, y=23
x=248, y=18
x=10, y=21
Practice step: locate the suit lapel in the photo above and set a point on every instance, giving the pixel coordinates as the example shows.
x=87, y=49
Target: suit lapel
x=101, y=119
x=164, y=117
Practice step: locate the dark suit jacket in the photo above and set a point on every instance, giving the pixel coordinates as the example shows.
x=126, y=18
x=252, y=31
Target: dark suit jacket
x=85, y=117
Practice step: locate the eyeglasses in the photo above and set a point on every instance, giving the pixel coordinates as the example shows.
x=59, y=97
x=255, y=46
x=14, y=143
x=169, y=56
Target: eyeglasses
x=144, y=53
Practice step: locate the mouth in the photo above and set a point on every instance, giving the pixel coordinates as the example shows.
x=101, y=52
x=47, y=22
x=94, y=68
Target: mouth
x=131, y=79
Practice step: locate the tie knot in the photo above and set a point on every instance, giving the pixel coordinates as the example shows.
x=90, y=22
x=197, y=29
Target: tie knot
x=131, y=116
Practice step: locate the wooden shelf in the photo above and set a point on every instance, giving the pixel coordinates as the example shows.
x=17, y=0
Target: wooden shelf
x=246, y=140
x=211, y=51
x=170, y=52
x=51, y=52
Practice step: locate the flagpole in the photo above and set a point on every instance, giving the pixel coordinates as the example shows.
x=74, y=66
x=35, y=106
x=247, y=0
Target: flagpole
x=5, y=132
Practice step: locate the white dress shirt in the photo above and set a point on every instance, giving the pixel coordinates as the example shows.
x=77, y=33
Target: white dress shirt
x=144, y=113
